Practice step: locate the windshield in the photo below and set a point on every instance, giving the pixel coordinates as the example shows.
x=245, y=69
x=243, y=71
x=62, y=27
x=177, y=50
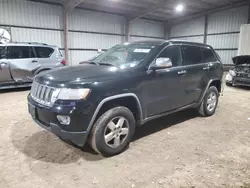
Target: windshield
x=124, y=55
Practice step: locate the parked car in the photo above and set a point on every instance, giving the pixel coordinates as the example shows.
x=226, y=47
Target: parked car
x=104, y=100
x=20, y=62
x=239, y=75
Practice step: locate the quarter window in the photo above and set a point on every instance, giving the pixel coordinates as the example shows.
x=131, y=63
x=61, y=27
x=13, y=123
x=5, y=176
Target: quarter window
x=208, y=55
x=173, y=53
x=20, y=52
x=43, y=52
x=191, y=55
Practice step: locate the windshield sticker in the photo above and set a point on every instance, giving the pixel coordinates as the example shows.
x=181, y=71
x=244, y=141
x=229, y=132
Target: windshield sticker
x=142, y=50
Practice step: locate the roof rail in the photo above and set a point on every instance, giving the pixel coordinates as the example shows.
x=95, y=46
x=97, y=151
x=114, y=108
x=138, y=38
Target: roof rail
x=28, y=43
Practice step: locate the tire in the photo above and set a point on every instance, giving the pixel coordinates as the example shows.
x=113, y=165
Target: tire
x=229, y=84
x=107, y=125
x=205, y=109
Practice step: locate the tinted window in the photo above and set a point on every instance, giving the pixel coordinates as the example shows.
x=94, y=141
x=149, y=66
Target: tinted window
x=173, y=53
x=191, y=55
x=208, y=55
x=43, y=52
x=2, y=52
x=20, y=52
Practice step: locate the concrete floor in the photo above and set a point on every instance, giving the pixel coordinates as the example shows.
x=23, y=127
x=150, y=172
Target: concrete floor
x=180, y=150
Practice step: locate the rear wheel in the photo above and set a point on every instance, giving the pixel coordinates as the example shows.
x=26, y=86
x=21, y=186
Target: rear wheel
x=210, y=102
x=113, y=131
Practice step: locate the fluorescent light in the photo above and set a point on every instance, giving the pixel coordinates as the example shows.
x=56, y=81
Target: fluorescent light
x=179, y=8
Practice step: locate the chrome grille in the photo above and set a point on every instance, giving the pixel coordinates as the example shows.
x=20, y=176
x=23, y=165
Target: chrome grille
x=42, y=94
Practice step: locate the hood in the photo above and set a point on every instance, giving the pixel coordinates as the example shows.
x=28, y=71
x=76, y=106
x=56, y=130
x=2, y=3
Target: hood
x=240, y=60
x=80, y=74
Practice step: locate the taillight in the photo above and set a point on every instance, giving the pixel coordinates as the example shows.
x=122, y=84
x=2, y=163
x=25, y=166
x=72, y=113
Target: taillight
x=63, y=62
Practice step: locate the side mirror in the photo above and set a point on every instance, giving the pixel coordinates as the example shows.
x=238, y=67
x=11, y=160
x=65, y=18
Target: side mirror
x=162, y=63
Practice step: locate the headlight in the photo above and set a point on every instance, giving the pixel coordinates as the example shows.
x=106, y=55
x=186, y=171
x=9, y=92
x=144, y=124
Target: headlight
x=232, y=72
x=73, y=94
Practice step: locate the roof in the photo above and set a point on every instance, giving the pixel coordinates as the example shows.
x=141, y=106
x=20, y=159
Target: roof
x=161, y=10
x=159, y=42
x=26, y=44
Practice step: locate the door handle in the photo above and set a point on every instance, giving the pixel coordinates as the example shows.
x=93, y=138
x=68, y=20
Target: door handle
x=182, y=72
x=206, y=68
x=34, y=61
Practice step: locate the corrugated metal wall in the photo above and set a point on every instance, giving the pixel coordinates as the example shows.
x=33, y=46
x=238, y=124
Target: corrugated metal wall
x=142, y=29
x=88, y=30
x=223, y=30
x=32, y=22
x=192, y=27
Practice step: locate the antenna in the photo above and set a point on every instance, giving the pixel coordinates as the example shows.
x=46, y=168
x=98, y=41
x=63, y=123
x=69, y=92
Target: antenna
x=4, y=36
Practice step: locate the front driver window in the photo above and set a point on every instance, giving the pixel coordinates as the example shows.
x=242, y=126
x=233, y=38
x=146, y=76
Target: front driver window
x=173, y=53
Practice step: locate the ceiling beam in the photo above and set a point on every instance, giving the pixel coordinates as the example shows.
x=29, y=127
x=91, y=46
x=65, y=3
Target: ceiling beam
x=143, y=13
x=71, y=4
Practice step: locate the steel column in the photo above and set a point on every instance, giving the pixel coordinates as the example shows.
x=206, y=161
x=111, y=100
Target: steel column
x=205, y=29
x=65, y=35
x=127, y=30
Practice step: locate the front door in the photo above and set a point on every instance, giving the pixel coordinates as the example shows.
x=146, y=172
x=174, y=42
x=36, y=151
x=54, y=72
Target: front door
x=23, y=63
x=4, y=66
x=163, y=90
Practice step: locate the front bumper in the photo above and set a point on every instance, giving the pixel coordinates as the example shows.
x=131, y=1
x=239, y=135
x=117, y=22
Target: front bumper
x=80, y=114
x=239, y=81
x=77, y=138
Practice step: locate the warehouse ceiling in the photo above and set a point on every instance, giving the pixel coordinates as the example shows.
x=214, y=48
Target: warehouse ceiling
x=162, y=10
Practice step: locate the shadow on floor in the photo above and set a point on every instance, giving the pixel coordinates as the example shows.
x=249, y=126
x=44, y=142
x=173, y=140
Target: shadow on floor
x=14, y=90
x=163, y=123
x=45, y=146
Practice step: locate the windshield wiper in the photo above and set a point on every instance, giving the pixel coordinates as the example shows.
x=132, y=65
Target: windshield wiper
x=93, y=63
x=107, y=64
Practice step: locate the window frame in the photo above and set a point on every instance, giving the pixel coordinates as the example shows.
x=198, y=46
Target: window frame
x=34, y=48
x=181, y=59
x=4, y=56
x=193, y=45
x=10, y=46
x=213, y=52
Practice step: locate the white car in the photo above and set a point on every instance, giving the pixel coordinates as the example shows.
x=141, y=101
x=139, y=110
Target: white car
x=240, y=74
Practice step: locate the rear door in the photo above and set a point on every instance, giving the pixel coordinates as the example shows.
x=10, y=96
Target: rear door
x=47, y=56
x=196, y=76
x=23, y=63
x=4, y=66
x=212, y=64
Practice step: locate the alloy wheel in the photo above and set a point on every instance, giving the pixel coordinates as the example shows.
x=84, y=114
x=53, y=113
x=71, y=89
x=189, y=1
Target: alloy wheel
x=116, y=132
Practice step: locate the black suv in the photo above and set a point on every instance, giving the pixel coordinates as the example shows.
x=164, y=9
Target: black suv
x=103, y=100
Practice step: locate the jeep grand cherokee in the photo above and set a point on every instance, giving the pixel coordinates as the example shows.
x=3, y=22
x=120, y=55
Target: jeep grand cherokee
x=103, y=100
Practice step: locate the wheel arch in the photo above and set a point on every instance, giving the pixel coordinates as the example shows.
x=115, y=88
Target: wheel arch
x=114, y=99
x=213, y=82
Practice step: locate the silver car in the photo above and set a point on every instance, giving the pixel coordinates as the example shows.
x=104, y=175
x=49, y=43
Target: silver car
x=20, y=62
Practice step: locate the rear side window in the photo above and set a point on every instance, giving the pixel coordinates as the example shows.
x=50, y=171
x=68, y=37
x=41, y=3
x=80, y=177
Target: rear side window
x=20, y=52
x=43, y=52
x=191, y=55
x=208, y=55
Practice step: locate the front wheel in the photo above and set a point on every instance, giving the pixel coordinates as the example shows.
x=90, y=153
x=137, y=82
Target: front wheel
x=113, y=131
x=210, y=102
